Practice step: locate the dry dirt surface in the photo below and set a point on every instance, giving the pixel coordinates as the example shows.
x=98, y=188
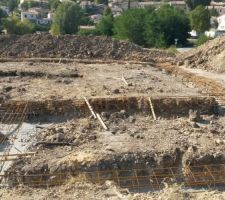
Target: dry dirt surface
x=41, y=81
x=70, y=46
x=131, y=140
x=107, y=191
x=209, y=56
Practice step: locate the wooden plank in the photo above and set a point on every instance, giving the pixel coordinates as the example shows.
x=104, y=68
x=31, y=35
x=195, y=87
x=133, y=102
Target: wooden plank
x=18, y=154
x=101, y=121
x=11, y=158
x=90, y=108
x=152, y=109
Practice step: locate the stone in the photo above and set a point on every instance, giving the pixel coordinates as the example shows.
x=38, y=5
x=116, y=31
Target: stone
x=7, y=88
x=67, y=81
x=194, y=116
x=195, y=125
x=217, y=141
x=116, y=91
x=114, y=130
x=131, y=119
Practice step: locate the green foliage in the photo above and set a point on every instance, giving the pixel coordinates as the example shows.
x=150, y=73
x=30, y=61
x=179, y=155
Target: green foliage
x=192, y=4
x=213, y=12
x=66, y=19
x=155, y=28
x=12, y=4
x=165, y=25
x=105, y=26
x=42, y=28
x=131, y=25
x=200, y=19
x=14, y=26
x=101, y=2
x=86, y=21
x=2, y=15
x=86, y=32
x=29, y=4
x=201, y=40
x=54, y=4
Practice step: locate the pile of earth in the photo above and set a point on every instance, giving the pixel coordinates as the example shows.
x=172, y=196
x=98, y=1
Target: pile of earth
x=74, y=46
x=209, y=56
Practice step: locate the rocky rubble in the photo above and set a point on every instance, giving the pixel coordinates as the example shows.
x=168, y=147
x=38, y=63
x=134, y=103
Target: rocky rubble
x=74, y=132
x=209, y=56
x=73, y=46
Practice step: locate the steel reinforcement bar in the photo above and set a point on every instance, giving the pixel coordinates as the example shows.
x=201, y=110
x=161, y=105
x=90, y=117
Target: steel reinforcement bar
x=173, y=104
x=133, y=179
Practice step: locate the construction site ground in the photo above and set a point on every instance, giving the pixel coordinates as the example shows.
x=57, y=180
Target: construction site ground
x=89, y=191
x=41, y=81
x=110, y=129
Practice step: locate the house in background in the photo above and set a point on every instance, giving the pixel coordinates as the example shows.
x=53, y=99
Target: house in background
x=30, y=15
x=218, y=6
x=156, y=4
x=221, y=25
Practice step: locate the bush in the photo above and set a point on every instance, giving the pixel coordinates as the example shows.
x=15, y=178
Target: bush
x=14, y=26
x=201, y=40
x=105, y=26
x=86, y=32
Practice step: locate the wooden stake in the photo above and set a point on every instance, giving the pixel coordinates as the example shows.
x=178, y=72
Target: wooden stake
x=124, y=80
x=152, y=109
x=101, y=121
x=90, y=108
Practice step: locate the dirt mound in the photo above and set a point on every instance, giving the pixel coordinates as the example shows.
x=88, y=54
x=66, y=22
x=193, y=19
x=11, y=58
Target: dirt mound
x=209, y=56
x=73, y=46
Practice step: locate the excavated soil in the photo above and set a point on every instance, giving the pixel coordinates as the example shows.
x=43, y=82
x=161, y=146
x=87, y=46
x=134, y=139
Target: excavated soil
x=131, y=141
x=73, y=46
x=209, y=56
x=187, y=132
x=42, y=81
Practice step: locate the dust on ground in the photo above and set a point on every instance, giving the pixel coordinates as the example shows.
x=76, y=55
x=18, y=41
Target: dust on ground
x=89, y=191
x=134, y=137
x=41, y=81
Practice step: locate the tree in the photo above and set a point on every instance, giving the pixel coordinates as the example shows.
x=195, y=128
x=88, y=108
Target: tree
x=200, y=19
x=66, y=19
x=214, y=12
x=105, y=26
x=131, y=25
x=192, y=4
x=14, y=26
x=54, y=4
x=12, y=4
x=2, y=15
x=165, y=25
x=29, y=4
